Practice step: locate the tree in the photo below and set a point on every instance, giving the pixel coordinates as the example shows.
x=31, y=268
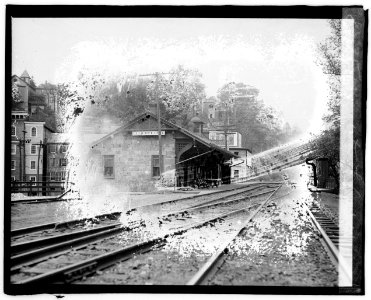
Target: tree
x=180, y=92
x=16, y=97
x=261, y=126
x=327, y=144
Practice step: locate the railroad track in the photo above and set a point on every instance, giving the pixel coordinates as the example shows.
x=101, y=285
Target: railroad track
x=51, y=228
x=217, y=260
x=32, y=250
x=90, y=250
x=329, y=233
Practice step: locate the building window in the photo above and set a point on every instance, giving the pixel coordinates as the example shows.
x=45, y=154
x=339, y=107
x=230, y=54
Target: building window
x=12, y=178
x=33, y=164
x=52, y=148
x=14, y=149
x=63, y=162
x=52, y=176
x=51, y=162
x=63, y=149
x=33, y=179
x=33, y=131
x=236, y=173
x=156, y=165
x=14, y=131
x=33, y=149
x=63, y=176
x=108, y=166
x=211, y=116
x=12, y=164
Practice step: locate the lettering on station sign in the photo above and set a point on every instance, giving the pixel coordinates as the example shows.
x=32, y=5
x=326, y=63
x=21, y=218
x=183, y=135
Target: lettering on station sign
x=147, y=132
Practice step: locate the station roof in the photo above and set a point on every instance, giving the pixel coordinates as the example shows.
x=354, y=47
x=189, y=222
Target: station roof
x=200, y=139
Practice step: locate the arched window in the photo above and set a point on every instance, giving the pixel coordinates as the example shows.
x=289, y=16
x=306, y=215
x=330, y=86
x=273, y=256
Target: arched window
x=33, y=131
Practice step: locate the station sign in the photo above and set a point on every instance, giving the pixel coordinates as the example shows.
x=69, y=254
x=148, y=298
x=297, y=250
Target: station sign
x=141, y=133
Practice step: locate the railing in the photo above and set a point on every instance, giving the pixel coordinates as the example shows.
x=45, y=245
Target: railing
x=35, y=188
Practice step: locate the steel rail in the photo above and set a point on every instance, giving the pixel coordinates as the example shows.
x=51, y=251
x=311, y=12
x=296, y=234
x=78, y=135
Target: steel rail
x=55, y=225
x=45, y=245
x=40, y=200
x=39, y=243
x=33, y=250
x=331, y=248
x=198, y=207
x=26, y=230
x=206, y=269
x=35, y=254
x=96, y=263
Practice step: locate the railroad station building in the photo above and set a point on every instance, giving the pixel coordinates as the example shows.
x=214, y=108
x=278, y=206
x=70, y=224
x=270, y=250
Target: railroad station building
x=130, y=155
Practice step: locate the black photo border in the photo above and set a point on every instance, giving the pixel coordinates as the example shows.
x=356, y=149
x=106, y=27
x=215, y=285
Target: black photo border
x=227, y=11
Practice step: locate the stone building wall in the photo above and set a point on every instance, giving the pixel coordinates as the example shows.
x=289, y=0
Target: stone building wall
x=132, y=160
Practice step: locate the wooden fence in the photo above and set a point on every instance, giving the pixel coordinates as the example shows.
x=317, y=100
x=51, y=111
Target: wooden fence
x=37, y=188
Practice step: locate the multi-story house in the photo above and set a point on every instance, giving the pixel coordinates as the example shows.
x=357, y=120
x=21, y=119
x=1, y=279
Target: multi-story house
x=50, y=94
x=36, y=134
x=56, y=152
x=239, y=166
x=27, y=153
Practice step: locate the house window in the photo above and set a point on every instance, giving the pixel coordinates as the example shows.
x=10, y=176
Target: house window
x=14, y=149
x=33, y=179
x=33, y=131
x=51, y=162
x=63, y=176
x=63, y=149
x=63, y=162
x=156, y=165
x=236, y=173
x=13, y=131
x=33, y=164
x=108, y=166
x=52, y=176
x=12, y=164
x=52, y=148
x=33, y=149
x=57, y=176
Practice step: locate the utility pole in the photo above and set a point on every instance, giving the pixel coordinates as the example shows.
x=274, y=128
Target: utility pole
x=157, y=74
x=227, y=126
x=41, y=145
x=159, y=127
x=24, y=154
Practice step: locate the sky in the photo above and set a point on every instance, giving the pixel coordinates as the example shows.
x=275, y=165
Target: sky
x=277, y=56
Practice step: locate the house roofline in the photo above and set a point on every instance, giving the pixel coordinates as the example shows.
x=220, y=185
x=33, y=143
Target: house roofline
x=182, y=130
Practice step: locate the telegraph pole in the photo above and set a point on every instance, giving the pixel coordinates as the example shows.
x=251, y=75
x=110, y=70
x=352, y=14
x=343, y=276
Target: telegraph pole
x=24, y=154
x=157, y=74
x=159, y=127
x=41, y=145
